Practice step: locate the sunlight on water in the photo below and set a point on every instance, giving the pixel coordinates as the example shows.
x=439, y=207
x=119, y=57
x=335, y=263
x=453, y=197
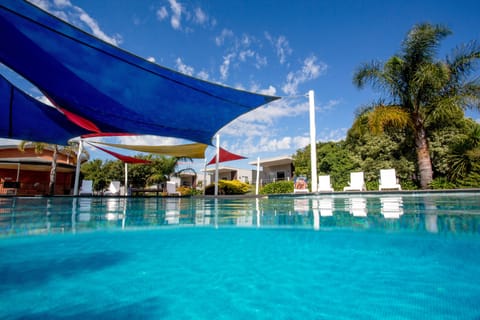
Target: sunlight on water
x=314, y=257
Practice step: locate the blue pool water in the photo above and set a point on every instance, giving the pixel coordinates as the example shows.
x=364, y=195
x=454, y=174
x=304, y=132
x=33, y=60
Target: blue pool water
x=398, y=256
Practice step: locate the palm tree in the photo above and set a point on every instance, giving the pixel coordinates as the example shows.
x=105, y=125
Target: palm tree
x=422, y=91
x=164, y=168
x=39, y=147
x=465, y=152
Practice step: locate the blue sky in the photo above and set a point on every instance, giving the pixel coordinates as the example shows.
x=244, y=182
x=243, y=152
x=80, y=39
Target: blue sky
x=283, y=47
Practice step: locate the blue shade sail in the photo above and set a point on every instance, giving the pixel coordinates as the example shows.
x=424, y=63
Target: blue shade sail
x=115, y=90
x=25, y=118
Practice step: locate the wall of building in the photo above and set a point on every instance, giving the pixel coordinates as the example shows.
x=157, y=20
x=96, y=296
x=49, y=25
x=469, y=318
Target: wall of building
x=36, y=182
x=34, y=176
x=277, y=173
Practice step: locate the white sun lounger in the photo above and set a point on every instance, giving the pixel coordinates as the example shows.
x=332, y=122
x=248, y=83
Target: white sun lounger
x=357, y=182
x=388, y=180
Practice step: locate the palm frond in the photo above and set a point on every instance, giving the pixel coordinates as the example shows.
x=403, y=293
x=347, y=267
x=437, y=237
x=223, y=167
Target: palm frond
x=383, y=116
x=463, y=60
x=369, y=73
x=422, y=42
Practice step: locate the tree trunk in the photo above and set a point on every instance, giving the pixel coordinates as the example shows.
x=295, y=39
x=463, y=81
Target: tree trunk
x=423, y=155
x=53, y=172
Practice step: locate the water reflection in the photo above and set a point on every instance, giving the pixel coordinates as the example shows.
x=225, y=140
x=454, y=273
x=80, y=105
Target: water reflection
x=326, y=207
x=358, y=206
x=172, y=211
x=392, y=207
x=427, y=213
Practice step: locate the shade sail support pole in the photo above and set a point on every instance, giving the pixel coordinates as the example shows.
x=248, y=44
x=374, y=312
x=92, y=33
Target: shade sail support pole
x=216, y=164
x=18, y=177
x=257, y=184
x=125, y=189
x=205, y=176
x=77, y=170
x=313, y=143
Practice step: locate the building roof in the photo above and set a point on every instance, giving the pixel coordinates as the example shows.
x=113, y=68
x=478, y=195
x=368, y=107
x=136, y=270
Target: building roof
x=276, y=161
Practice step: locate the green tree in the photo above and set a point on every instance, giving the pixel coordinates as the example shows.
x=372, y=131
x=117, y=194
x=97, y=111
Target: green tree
x=421, y=90
x=93, y=170
x=163, y=168
x=373, y=152
x=464, y=156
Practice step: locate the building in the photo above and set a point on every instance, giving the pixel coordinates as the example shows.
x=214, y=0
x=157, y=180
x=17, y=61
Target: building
x=275, y=169
x=272, y=169
x=229, y=173
x=28, y=173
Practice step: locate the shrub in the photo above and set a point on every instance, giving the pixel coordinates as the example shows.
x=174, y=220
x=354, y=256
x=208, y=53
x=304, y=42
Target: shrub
x=278, y=187
x=441, y=183
x=228, y=187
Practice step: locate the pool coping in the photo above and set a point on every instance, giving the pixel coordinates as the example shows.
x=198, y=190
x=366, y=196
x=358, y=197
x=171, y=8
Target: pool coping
x=333, y=193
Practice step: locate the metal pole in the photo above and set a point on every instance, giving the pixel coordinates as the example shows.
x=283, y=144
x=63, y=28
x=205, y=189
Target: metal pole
x=125, y=189
x=313, y=142
x=18, y=178
x=205, y=176
x=257, y=185
x=77, y=171
x=216, y=164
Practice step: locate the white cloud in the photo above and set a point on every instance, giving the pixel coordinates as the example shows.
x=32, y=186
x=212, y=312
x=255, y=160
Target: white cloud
x=75, y=15
x=271, y=90
x=62, y=3
x=283, y=49
x=220, y=39
x=141, y=140
x=151, y=59
x=281, y=45
x=182, y=17
x=200, y=16
x=243, y=55
x=242, y=50
x=203, y=75
x=262, y=123
x=225, y=67
x=301, y=142
x=96, y=30
x=327, y=134
x=273, y=111
x=310, y=70
x=258, y=130
x=275, y=144
x=330, y=105
x=183, y=68
x=44, y=4
x=162, y=13
x=176, y=18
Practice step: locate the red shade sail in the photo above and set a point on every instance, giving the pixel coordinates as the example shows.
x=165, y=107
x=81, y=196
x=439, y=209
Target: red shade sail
x=122, y=157
x=225, y=156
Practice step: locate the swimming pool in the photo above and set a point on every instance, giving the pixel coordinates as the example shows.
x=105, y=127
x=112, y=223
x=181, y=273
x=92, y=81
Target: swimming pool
x=357, y=256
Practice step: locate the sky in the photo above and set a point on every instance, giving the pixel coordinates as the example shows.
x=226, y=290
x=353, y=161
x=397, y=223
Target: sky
x=279, y=47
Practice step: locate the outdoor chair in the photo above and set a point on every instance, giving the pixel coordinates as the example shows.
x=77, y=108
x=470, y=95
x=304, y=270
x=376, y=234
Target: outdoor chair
x=113, y=189
x=357, y=182
x=324, y=183
x=86, y=189
x=388, y=180
x=300, y=186
x=172, y=188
